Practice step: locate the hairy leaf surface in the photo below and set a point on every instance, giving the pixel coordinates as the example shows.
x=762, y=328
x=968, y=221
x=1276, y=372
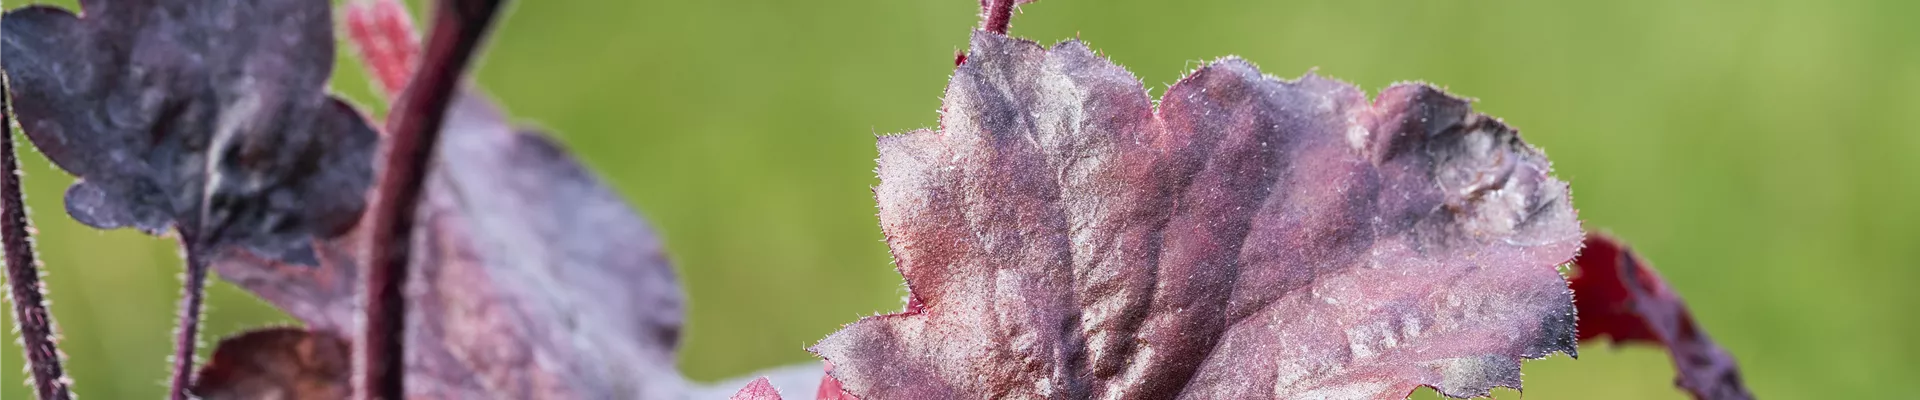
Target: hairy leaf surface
x=177, y=111
x=759, y=389
x=1247, y=237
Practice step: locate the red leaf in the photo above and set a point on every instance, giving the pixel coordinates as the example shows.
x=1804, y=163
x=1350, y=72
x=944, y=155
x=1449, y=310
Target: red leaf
x=1620, y=296
x=1248, y=238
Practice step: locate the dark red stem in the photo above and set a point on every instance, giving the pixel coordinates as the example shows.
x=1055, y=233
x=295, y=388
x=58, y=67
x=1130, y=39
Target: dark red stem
x=999, y=16
x=30, y=314
x=413, y=128
x=186, y=334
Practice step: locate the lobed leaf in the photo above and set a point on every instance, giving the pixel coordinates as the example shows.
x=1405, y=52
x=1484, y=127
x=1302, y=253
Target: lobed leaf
x=207, y=115
x=1247, y=237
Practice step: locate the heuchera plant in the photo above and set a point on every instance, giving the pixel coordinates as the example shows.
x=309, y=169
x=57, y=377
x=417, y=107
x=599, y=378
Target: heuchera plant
x=1062, y=234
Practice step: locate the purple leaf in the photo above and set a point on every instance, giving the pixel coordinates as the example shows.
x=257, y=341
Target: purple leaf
x=1247, y=238
x=175, y=111
x=203, y=116
x=533, y=280
x=1620, y=296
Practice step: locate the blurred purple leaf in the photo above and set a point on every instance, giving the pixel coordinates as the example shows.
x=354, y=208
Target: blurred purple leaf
x=532, y=279
x=276, y=363
x=1064, y=237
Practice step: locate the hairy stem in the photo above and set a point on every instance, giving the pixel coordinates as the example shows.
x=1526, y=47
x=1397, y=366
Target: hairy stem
x=30, y=316
x=186, y=333
x=413, y=127
x=999, y=15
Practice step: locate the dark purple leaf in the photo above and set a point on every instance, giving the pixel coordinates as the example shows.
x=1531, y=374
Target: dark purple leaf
x=1620, y=296
x=1247, y=238
x=175, y=111
x=204, y=116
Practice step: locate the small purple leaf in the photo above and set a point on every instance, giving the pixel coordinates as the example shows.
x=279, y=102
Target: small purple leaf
x=1246, y=238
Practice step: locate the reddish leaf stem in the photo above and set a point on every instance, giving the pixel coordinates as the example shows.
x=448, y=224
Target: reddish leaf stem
x=30, y=317
x=414, y=128
x=383, y=34
x=999, y=15
x=186, y=335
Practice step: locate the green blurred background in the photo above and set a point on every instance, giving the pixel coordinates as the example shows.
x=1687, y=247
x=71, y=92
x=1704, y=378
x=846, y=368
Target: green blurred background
x=1763, y=154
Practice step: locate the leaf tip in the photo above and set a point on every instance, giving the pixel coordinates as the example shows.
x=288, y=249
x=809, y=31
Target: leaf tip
x=759, y=389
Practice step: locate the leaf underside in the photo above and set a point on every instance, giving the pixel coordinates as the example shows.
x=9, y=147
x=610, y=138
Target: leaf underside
x=1247, y=237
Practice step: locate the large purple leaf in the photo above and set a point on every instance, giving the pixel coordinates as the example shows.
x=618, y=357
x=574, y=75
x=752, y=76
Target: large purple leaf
x=177, y=111
x=533, y=279
x=1248, y=237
